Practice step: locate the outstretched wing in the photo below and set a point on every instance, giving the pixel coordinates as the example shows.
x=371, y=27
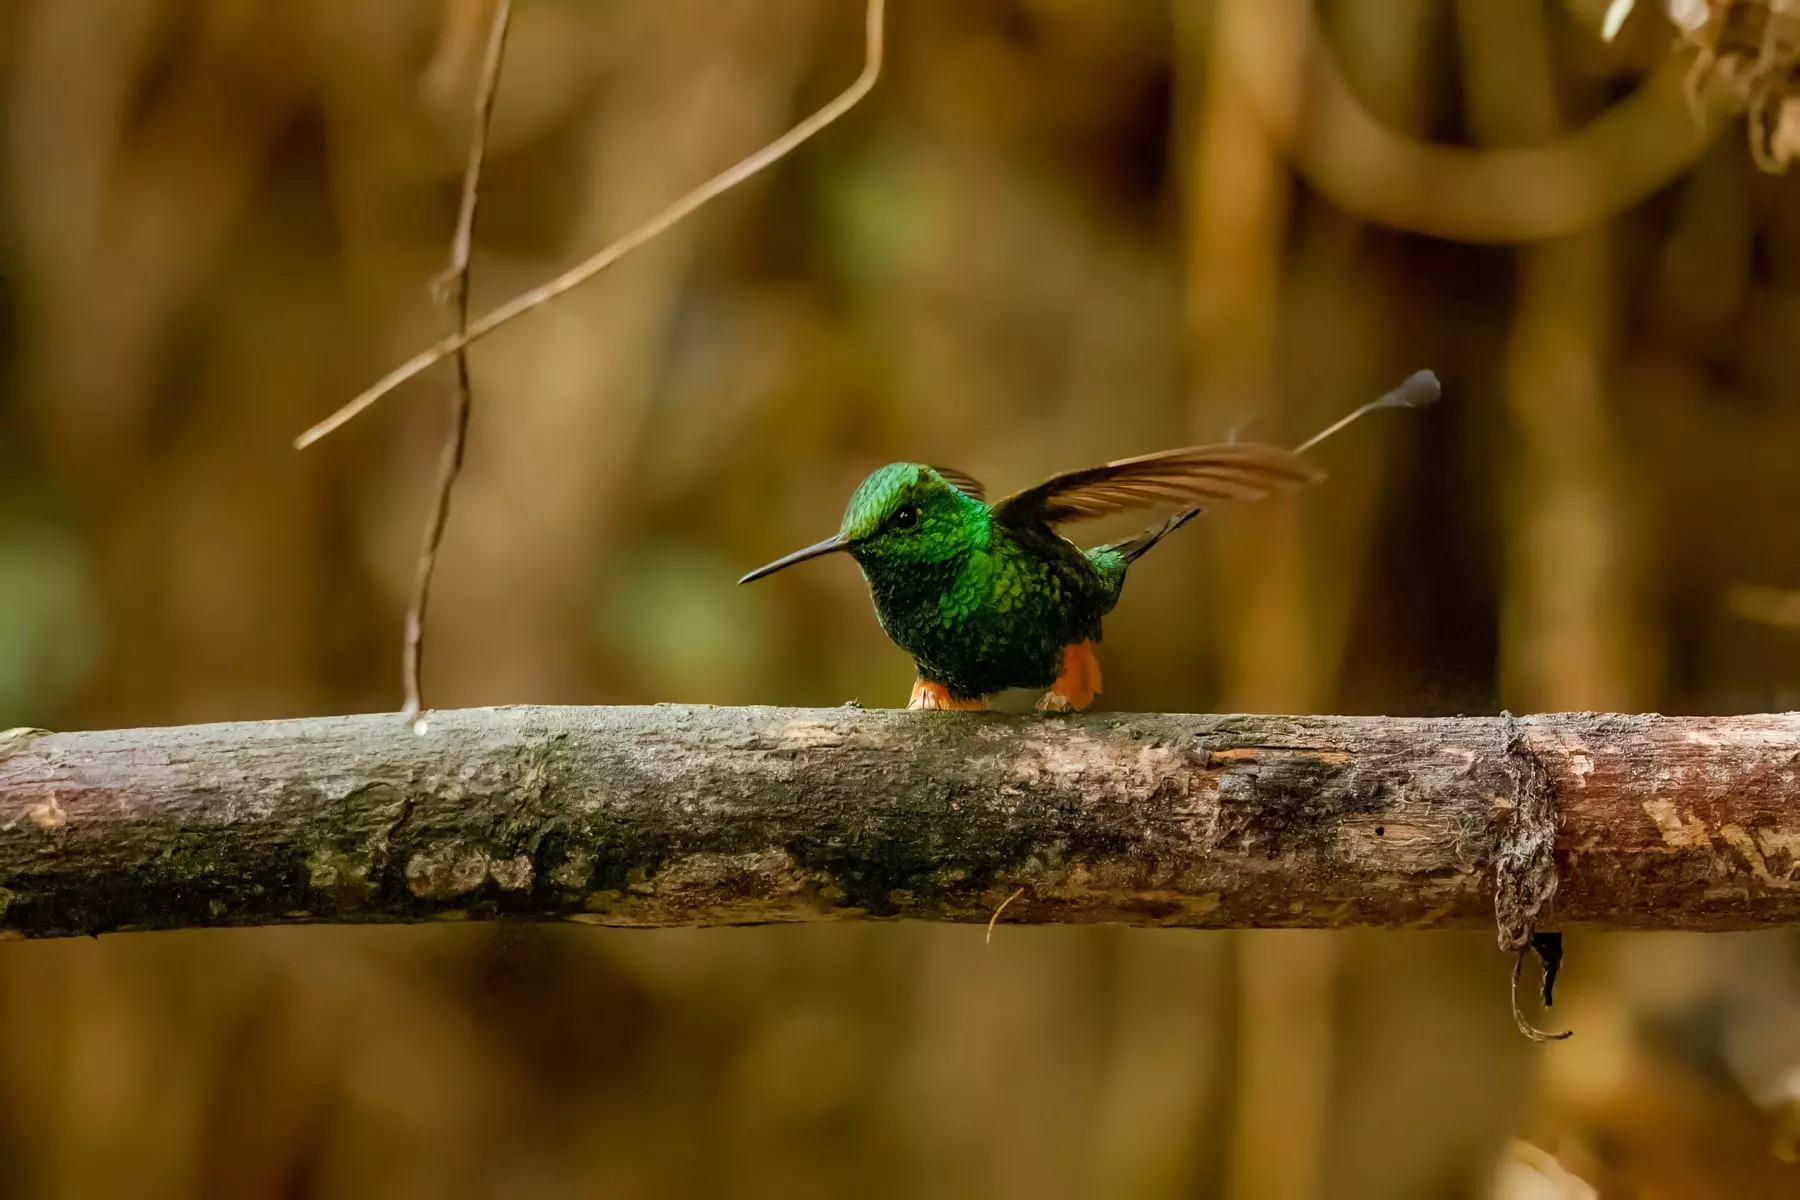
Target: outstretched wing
x=1192, y=477
x=968, y=485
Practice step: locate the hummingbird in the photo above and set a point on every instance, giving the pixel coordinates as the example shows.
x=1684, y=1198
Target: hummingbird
x=987, y=597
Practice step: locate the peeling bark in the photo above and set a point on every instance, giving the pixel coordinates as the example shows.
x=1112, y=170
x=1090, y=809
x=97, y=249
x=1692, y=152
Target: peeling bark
x=678, y=815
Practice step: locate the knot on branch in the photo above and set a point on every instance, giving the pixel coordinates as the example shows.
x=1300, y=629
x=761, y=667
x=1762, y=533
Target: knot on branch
x=1525, y=877
x=1525, y=851
x=14, y=740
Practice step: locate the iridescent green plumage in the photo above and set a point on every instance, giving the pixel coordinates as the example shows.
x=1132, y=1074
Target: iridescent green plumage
x=987, y=597
x=979, y=607
x=983, y=602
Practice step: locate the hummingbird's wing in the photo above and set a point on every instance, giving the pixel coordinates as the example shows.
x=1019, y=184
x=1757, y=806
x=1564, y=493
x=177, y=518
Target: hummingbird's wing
x=967, y=484
x=1195, y=476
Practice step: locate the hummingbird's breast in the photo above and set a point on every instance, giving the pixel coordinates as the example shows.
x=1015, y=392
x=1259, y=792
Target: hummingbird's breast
x=991, y=619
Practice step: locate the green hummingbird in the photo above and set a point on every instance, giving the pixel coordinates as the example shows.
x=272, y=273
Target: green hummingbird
x=987, y=597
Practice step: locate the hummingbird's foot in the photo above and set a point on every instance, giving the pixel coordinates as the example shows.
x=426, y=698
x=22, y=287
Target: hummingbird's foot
x=1079, y=682
x=936, y=695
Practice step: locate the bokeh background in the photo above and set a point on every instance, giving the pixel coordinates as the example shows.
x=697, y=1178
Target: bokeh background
x=1058, y=231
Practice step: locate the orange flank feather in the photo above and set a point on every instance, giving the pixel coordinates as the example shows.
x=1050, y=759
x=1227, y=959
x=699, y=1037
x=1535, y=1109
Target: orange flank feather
x=1079, y=682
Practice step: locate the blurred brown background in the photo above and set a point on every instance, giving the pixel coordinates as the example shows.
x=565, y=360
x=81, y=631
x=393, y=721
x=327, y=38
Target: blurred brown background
x=1059, y=231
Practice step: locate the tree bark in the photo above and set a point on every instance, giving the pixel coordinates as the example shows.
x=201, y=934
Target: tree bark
x=676, y=815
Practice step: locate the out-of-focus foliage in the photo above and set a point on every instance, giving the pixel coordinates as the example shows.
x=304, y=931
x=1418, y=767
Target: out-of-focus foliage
x=1751, y=50
x=1057, y=232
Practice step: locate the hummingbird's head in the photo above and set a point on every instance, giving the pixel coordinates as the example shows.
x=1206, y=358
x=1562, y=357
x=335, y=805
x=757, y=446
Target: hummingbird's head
x=903, y=515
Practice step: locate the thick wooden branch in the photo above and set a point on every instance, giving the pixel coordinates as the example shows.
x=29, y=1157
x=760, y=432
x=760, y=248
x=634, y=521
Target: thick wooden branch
x=682, y=816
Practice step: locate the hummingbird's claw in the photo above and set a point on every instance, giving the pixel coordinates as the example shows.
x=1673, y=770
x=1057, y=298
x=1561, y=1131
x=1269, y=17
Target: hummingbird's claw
x=937, y=696
x=1077, y=685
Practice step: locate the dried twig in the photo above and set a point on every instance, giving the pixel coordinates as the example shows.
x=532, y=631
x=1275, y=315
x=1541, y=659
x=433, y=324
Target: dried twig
x=996, y=917
x=575, y=276
x=452, y=287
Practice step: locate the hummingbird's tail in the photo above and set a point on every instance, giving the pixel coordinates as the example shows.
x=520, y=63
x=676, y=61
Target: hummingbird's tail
x=1132, y=549
x=1111, y=562
x=1416, y=391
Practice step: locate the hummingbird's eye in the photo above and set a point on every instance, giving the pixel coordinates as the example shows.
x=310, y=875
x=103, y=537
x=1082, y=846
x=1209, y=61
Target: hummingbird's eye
x=906, y=518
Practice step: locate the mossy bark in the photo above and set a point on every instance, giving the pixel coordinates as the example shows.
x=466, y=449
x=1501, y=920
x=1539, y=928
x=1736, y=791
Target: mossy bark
x=676, y=815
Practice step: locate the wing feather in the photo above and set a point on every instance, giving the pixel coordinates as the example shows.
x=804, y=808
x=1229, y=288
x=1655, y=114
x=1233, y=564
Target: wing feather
x=1194, y=476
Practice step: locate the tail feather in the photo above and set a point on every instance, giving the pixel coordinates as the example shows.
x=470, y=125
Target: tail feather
x=1418, y=390
x=1132, y=549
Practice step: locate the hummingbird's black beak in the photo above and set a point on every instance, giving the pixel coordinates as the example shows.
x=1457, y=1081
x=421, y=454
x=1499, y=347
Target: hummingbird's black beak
x=830, y=545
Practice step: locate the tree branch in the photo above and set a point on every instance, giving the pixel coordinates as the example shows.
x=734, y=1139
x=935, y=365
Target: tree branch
x=678, y=815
